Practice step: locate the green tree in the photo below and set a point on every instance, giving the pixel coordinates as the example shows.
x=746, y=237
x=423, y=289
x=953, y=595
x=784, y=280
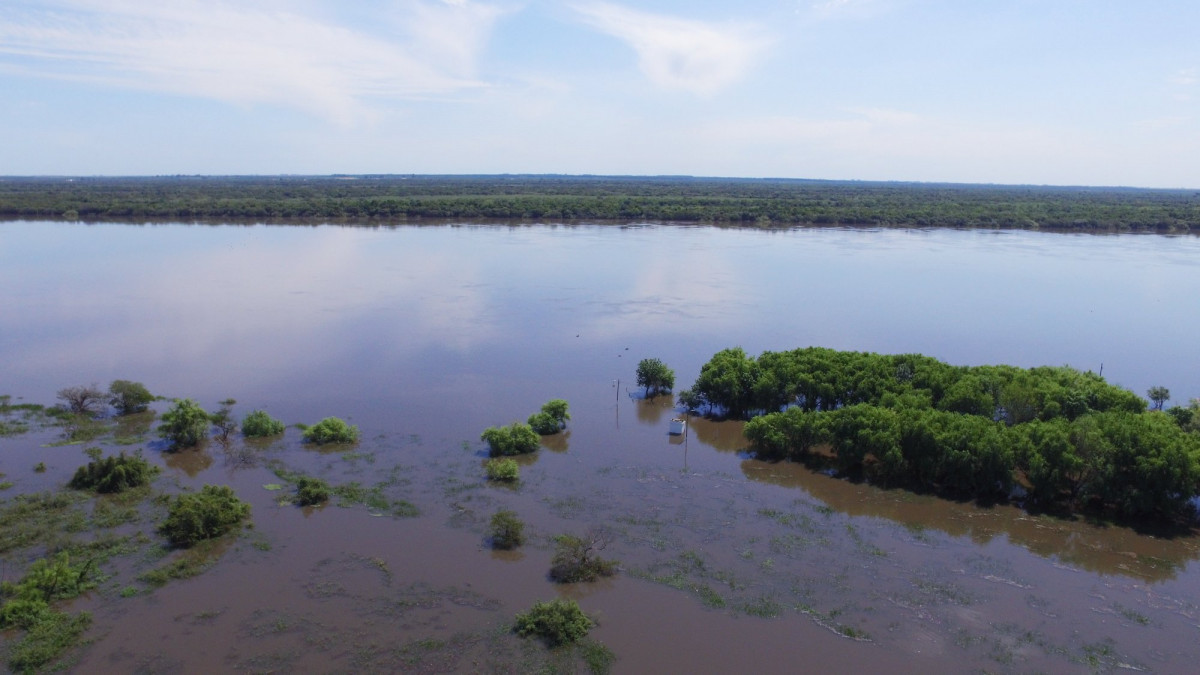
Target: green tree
x=113, y=473
x=128, y=397
x=185, y=424
x=1159, y=395
x=655, y=376
x=223, y=423
x=727, y=381
x=558, y=622
x=311, y=491
x=551, y=419
x=503, y=469
x=506, y=530
x=207, y=514
x=331, y=430
x=259, y=424
x=515, y=439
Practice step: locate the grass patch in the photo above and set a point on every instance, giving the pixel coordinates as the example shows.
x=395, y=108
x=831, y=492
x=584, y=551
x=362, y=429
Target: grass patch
x=190, y=563
x=46, y=640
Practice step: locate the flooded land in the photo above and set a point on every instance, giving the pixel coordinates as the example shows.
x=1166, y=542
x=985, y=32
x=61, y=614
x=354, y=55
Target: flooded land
x=423, y=337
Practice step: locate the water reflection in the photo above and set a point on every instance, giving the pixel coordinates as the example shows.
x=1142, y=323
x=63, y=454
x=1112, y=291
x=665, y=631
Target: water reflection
x=1106, y=550
x=190, y=461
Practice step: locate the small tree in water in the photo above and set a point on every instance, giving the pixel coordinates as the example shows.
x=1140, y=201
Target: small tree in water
x=655, y=376
x=185, y=424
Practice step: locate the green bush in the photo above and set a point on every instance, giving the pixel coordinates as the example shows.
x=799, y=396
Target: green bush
x=551, y=419
x=507, y=530
x=515, y=439
x=128, y=397
x=113, y=474
x=558, y=622
x=207, y=514
x=503, y=469
x=48, y=579
x=259, y=424
x=331, y=430
x=575, y=558
x=311, y=491
x=185, y=424
x=53, y=633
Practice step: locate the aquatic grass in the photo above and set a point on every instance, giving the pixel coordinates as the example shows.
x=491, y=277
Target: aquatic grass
x=46, y=640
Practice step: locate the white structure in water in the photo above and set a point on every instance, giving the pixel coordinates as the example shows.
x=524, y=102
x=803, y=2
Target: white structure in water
x=678, y=426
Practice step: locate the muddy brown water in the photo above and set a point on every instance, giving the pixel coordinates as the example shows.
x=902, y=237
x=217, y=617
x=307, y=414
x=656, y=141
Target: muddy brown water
x=425, y=336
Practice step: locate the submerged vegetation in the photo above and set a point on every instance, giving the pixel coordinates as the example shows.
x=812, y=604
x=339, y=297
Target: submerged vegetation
x=1067, y=437
x=551, y=419
x=331, y=430
x=577, y=559
x=115, y=473
x=259, y=424
x=611, y=198
x=503, y=469
x=185, y=424
x=207, y=514
x=506, y=529
x=558, y=622
x=515, y=439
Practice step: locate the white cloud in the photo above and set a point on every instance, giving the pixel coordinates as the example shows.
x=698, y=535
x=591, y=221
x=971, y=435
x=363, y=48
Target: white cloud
x=248, y=52
x=686, y=54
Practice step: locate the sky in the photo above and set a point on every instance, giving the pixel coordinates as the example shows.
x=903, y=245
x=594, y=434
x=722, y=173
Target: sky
x=1056, y=92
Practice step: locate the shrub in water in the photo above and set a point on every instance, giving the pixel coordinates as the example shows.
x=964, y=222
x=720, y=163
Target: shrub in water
x=507, y=530
x=558, y=622
x=113, y=473
x=259, y=424
x=331, y=430
x=515, y=439
x=311, y=491
x=185, y=424
x=503, y=469
x=207, y=514
x=129, y=397
x=575, y=558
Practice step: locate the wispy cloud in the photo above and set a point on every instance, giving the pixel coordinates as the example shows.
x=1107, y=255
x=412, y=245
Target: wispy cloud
x=249, y=52
x=692, y=55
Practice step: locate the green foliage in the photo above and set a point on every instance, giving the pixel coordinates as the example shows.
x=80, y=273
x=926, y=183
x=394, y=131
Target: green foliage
x=515, y=439
x=185, y=424
x=551, y=419
x=54, y=633
x=115, y=473
x=910, y=420
x=311, y=491
x=331, y=430
x=604, y=198
x=48, y=579
x=129, y=397
x=503, y=469
x=210, y=513
x=223, y=421
x=558, y=622
x=655, y=376
x=576, y=559
x=258, y=424
x=1159, y=395
x=506, y=530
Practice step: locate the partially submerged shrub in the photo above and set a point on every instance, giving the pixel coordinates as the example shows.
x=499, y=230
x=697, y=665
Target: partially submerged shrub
x=515, y=439
x=576, y=558
x=128, y=397
x=207, y=514
x=503, y=469
x=552, y=418
x=48, y=579
x=115, y=473
x=53, y=633
x=507, y=530
x=331, y=430
x=311, y=491
x=185, y=424
x=558, y=622
x=259, y=424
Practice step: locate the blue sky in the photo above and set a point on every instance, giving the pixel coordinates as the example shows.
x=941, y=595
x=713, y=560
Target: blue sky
x=1078, y=92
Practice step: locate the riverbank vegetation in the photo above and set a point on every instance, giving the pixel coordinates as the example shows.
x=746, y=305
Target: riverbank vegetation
x=759, y=202
x=1065, y=438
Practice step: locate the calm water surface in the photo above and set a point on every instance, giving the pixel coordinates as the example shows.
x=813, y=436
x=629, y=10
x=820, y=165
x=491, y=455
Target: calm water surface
x=423, y=336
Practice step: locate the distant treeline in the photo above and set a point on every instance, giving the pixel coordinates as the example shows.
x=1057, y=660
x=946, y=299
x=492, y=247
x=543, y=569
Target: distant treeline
x=761, y=202
x=1067, y=438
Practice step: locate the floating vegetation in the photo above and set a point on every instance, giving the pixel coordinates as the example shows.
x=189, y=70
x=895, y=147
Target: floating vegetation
x=210, y=513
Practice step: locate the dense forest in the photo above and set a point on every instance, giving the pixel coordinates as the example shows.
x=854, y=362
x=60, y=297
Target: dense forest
x=757, y=202
x=1062, y=438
